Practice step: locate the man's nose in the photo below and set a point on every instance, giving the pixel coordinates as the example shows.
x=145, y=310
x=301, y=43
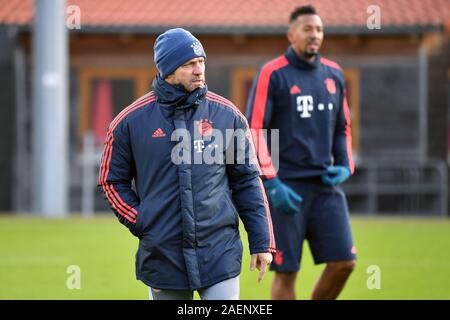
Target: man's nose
x=315, y=34
x=198, y=68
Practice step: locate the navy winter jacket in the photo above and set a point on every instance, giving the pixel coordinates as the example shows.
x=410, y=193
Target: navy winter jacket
x=185, y=214
x=307, y=103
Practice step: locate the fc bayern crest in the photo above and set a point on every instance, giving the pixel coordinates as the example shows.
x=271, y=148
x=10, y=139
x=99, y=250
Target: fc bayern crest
x=205, y=127
x=331, y=85
x=197, y=47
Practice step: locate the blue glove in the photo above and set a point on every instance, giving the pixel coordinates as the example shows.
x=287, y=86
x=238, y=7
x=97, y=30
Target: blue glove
x=282, y=197
x=335, y=175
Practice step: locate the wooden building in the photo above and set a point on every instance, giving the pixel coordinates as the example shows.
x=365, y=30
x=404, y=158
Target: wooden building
x=396, y=58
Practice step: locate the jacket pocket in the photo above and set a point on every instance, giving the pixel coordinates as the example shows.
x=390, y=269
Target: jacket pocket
x=136, y=229
x=233, y=208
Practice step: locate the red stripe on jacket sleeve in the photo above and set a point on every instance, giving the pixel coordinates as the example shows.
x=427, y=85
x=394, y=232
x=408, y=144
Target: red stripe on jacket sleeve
x=111, y=193
x=259, y=109
x=330, y=63
x=348, y=131
x=348, y=135
x=272, y=246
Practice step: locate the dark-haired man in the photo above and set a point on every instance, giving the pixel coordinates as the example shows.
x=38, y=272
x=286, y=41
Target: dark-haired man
x=302, y=95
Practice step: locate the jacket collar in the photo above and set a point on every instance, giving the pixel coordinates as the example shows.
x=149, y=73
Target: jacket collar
x=176, y=96
x=295, y=60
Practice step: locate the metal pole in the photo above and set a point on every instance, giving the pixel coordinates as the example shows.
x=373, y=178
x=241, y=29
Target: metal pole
x=442, y=166
x=50, y=122
x=22, y=157
x=423, y=102
x=88, y=162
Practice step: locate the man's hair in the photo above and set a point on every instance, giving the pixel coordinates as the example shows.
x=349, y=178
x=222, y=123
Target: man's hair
x=303, y=10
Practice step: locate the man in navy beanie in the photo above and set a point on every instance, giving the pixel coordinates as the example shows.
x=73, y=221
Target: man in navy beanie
x=186, y=215
x=175, y=47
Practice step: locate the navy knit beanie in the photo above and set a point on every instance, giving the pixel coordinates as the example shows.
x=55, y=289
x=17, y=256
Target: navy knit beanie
x=175, y=47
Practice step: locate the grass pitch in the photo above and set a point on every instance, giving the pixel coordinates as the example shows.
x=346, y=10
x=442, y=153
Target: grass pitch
x=413, y=257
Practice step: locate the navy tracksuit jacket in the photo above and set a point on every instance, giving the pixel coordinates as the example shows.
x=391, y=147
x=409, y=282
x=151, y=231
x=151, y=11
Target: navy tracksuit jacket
x=185, y=215
x=307, y=103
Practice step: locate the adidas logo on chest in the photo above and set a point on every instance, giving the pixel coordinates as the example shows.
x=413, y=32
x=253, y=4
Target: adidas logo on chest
x=159, y=133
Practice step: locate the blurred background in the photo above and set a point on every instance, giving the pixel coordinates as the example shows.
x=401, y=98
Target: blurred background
x=67, y=68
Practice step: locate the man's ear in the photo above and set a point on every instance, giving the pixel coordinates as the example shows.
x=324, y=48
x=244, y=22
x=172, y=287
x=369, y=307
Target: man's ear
x=289, y=35
x=170, y=78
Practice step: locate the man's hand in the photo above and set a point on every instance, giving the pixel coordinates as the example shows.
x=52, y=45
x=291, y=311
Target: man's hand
x=260, y=261
x=282, y=197
x=335, y=175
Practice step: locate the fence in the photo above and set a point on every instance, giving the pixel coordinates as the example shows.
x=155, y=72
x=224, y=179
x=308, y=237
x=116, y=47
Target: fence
x=399, y=187
x=382, y=186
